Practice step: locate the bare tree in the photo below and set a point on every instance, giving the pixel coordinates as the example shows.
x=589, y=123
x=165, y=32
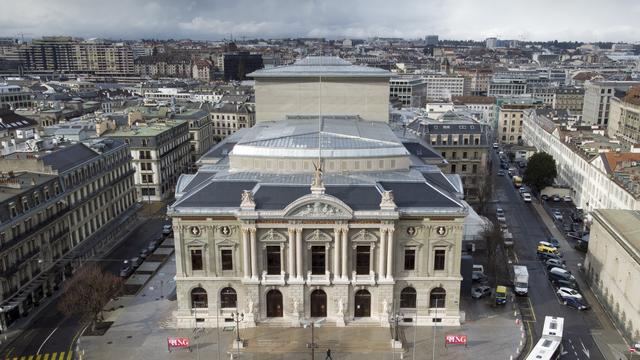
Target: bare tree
x=485, y=192
x=496, y=254
x=87, y=293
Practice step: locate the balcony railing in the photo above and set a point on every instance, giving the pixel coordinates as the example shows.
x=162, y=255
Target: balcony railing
x=35, y=229
x=363, y=279
x=318, y=279
x=268, y=279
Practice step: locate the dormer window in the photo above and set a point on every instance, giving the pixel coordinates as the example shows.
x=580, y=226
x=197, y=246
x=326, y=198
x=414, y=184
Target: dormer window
x=46, y=193
x=25, y=204
x=13, y=210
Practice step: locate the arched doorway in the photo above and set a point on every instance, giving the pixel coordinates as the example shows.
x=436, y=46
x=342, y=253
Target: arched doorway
x=362, y=304
x=274, y=303
x=318, y=303
x=199, y=298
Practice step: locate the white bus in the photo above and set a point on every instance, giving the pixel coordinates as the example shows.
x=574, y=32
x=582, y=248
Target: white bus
x=549, y=346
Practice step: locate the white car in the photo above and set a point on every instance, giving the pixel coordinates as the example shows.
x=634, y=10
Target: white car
x=567, y=198
x=566, y=292
x=557, y=215
x=500, y=215
x=526, y=197
x=166, y=229
x=480, y=291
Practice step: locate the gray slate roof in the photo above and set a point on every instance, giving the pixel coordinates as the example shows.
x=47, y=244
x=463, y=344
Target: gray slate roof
x=325, y=66
x=69, y=157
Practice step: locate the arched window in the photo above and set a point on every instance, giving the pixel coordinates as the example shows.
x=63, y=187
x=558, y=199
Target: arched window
x=228, y=298
x=408, y=298
x=199, y=298
x=504, y=137
x=437, y=298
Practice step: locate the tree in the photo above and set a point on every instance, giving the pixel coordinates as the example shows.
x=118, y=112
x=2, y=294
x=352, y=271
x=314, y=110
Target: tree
x=541, y=171
x=496, y=254
x=87, y=293
x=485, y=190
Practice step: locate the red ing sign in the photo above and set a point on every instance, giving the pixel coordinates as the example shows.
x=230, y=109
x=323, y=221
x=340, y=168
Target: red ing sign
x=177, y=342
x=455, y=339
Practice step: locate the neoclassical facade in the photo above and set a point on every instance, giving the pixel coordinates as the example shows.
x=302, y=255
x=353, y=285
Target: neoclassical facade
x=352, y=243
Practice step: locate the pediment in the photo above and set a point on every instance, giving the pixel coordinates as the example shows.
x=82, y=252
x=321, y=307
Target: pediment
x=318, y=236
x=364, y=236
x=318, y=206
x=273, y=236
x=195, y=242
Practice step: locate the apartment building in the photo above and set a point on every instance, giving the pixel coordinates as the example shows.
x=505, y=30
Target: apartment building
x=159, y=152
x=510, y=121
x=164, y=65
x=12, y=97
x=612, y=266
x=624, y=118
x=506, y=87
x=443, y=87
x=477, y=78
x=227, y=118
x=598, y=171
x=410, y=91
x=482, y=108
x=463, y=142
x=568, y=98
x=63, y=54
x=201, y=133
x=597, y=100
x=59, y=202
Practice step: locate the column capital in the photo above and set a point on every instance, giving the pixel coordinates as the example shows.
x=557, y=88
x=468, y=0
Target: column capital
x=298, y=229
x=291, y=231
x=252, y=230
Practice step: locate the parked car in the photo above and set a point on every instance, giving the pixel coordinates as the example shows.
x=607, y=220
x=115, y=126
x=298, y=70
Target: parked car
x=560, y=274
x=480, y=292
x=126, y=271
x=554, y=242
x=579, y=304
x=546, y=256
x=567, y=198
x=547, y=244
x=558, y=283
x=153, y=244
x=166, y=229
x=135, y=262
x=500, y=172
x=567, y=227
x=555, y=263
x=526, y=197
x=556, y=198
x=144, y=253
x=576, y=227
x=477, y=276
x=544, y=197
x=576, y=217
x=500, y=215
x=495, y=145
x=522, y=164
x=564, y=292
x=557, y=215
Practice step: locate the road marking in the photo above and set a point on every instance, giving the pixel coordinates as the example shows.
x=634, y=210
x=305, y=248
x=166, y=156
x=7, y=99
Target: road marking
x=75, y=338
x=584, y=349
x=53, y=356
x=529, y=332
x=69, y=353
x=46, y=357
x=533, y=312
x=38, y=357
x=30, y=357
x=48, y=337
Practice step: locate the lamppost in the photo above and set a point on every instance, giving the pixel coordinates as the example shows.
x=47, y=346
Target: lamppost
x=395, y=319
x=312, y=324
x=435, y=328
x=237, y=317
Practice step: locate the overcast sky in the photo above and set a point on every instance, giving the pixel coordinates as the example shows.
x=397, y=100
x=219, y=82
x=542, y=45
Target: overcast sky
x=583, y=20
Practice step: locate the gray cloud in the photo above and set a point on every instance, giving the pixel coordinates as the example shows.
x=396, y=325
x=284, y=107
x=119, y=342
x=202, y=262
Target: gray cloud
x=587, y=20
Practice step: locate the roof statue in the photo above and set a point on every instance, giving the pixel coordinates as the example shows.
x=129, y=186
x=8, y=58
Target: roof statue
x=387, y=202
x=317, y=186
x=247, y=200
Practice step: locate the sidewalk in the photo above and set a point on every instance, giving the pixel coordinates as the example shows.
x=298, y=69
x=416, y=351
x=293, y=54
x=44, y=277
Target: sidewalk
x=607, y=338
x=141, y=326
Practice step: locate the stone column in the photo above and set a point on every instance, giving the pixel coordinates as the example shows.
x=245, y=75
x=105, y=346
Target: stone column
x=345, y=253
x=390, y=246
x=292, y=254
x=254, y=254
x=382, y=254
x=246, y=266
x=336, y=253
x=299, y=271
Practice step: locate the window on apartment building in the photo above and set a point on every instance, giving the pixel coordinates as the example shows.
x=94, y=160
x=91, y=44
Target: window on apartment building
x=464, y=167
x=464, y=154
x=226, y=259
x=46, y=193
x=318, y=260
x=477, y=141
x=439, y=259
x=409, y=259
x=466, y=141
x=274, y=265
x=25, y=204
x=363, y=260
x=453, y=168
x=453, y=154
x=197, y=262
x=474, y=168
x=13, y=210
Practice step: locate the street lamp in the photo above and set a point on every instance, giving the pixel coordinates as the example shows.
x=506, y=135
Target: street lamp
x=395, y=319
x=312, y=324
x=237, y=317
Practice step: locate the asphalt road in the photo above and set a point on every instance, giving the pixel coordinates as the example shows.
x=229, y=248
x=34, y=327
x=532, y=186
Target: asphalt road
x=52, y=333
x=528, y=229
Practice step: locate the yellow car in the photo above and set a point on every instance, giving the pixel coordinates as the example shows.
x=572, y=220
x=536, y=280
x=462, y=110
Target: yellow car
x=546, y=249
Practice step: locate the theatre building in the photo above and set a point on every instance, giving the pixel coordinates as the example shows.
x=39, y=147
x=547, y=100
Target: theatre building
x=317, y=217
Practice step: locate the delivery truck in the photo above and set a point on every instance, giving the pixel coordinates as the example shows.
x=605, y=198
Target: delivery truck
x=520, y=279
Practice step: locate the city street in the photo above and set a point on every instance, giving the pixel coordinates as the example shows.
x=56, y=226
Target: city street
x=52, y=335
x=528, y=230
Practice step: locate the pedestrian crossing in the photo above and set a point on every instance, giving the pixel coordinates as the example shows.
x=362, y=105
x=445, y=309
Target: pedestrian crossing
x=48, y=356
